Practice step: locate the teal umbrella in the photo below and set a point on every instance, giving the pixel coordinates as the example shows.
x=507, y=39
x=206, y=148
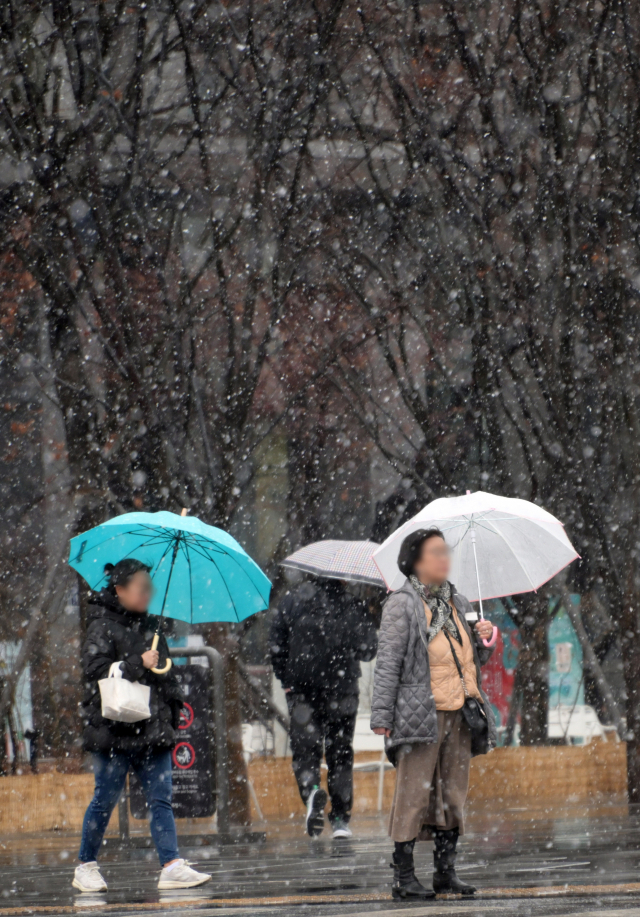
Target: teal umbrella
x=200, y=572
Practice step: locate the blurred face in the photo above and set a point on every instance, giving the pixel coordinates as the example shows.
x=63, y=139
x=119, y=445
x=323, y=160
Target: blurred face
x=433, y=565
x=136, y=595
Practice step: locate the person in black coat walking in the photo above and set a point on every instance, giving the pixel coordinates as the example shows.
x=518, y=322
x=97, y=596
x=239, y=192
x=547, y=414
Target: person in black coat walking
x=120, y=630
x=319, y=636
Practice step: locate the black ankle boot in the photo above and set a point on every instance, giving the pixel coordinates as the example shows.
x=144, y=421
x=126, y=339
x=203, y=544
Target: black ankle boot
x=405, y=884
x=444, y=861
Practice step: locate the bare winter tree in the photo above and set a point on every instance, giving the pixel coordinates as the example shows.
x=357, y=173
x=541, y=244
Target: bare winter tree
x=230, y=217
x=160, y=163
x=496, y=261
x=159, y=200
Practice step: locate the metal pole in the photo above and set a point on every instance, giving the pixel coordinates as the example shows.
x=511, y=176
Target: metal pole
x=220, y=727
x=222, y=751
x=475, y=557
x=123, y=816
x=262, y=697
x=166, y=591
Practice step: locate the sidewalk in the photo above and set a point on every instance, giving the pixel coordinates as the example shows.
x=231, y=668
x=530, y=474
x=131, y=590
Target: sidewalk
x=573, y=865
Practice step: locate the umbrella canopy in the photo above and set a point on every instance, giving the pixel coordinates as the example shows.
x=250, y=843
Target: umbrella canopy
x=519, y=545
x=347, y=560
x=200, y=573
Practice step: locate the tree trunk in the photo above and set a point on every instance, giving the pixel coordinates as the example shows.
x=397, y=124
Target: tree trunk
x=533, y=666
x=55, y=679
x=46, y=715
x=220, y=637
x=3, y=743
x=630, y=643
x=601, y=632
x=54, y=586
x=590, y=662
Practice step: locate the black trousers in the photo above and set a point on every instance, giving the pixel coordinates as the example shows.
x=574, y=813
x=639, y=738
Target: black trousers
x=328, y=722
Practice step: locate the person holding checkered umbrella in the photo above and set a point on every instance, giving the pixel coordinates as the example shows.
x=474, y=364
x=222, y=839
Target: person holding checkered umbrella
x=319, y=636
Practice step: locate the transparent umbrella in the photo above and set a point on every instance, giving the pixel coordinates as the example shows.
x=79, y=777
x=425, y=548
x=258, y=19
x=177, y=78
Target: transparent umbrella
x=500, y=545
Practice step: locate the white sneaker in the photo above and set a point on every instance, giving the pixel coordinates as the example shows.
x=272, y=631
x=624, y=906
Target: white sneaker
x=181, y=875
x=341, y=829
x=87, y=878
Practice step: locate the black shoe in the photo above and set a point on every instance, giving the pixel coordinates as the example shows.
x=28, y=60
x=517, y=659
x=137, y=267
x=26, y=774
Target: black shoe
x=445, y=880
x=448, y=883
x=315, y=812
x=407, y=888
x=405, y=885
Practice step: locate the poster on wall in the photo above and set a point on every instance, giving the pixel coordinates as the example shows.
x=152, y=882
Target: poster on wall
x=566, y=684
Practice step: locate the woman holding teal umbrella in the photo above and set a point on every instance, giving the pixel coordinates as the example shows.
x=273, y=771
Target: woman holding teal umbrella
x=119, y=633
x=199, y=574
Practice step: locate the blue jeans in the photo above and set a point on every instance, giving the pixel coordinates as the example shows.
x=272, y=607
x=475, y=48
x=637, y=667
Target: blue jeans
x=153, y=769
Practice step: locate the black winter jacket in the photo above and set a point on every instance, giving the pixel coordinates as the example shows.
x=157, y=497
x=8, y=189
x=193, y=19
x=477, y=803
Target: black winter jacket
x=319, y=635
x=117, y=635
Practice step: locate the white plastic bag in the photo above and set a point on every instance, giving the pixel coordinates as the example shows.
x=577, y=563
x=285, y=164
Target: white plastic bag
x=122, y=700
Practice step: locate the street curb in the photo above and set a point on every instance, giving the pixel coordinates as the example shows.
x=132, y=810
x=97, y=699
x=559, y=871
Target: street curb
x=558, y=891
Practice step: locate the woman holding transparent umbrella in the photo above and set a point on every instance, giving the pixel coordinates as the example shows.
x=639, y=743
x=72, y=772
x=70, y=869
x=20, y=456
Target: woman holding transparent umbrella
x=427, y=671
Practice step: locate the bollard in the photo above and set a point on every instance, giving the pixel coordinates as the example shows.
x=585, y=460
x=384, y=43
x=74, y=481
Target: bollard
x=219, y=724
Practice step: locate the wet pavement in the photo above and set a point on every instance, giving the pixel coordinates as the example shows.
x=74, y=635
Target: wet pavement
x=586, y=864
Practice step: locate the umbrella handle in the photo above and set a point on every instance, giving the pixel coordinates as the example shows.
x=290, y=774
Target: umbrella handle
x=493, y=638
x=494, y=635
x=168, y=664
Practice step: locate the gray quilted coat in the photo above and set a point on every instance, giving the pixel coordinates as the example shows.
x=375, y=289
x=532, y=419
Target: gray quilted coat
x=402, y=698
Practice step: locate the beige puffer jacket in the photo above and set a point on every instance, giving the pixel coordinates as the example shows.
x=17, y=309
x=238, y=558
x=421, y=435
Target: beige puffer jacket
x=445, y=680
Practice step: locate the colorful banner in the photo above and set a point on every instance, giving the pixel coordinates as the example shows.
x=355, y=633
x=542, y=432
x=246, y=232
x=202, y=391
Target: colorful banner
x=566, y=685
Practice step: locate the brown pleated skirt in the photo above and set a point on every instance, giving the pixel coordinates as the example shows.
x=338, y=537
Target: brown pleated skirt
x=432, y=781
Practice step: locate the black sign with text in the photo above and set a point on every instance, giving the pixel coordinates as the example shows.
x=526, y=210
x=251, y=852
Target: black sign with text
x=193, y=768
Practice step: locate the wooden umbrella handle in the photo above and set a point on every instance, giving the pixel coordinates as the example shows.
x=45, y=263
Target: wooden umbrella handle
x=168, y=663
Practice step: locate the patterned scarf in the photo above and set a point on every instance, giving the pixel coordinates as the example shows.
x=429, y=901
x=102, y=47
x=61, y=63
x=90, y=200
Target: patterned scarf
x=437, y=598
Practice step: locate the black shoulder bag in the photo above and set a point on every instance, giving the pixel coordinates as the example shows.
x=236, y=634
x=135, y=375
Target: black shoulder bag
x=473, y=711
